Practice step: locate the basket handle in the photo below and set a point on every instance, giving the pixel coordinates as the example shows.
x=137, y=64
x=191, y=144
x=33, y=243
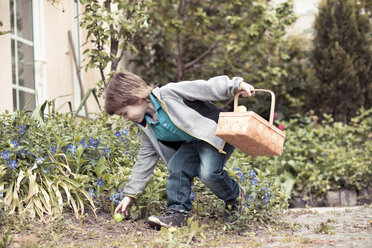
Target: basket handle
x=272, y=103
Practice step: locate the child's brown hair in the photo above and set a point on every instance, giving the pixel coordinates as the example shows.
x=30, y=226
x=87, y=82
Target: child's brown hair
x=123, y=89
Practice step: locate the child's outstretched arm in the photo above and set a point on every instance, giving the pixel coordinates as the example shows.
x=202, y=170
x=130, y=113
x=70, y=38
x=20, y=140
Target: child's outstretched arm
x=215, y=89
x=147, y=159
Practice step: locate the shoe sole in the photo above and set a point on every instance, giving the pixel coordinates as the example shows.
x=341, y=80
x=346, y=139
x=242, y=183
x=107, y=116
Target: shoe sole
x=156, y=223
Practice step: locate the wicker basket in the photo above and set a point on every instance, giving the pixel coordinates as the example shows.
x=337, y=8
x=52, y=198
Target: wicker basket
x=249, y=132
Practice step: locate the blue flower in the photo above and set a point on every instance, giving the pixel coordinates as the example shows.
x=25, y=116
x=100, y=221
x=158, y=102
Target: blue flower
x=125, y=132
x=91, y=193
x=192, y=196
x=72, y=149
x=83, y=143
x=242, y=176
x=118, y=134
x=5, y=154
x=121, y=194
x=22, y=129
x=13, y=164
x=24, y=152
x=252, y=175
x=324, y=154
x=1, y=195
x=249, y=200
x=100, y=182
x=267, y=198
x=40, y=160
x=114, y=198
x=106, y=150
x=14, y=143
x=53, y=150
x=93, y=142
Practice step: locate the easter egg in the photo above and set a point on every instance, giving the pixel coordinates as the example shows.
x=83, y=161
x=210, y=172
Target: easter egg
x=118, y=217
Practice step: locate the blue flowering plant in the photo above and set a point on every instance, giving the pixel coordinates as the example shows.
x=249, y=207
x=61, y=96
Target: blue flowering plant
x=319, y=157
x=263, y=198
x=56, y=161
x=262, y=201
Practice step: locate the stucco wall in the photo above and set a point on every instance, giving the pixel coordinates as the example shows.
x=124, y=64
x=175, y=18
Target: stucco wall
x=60, y=63
x=58, y=20
x=6, y=99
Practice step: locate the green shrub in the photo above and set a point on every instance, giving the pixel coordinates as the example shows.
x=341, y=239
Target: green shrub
x=61, y=160
x=318, y=157
x=52, y=162
x=262, y=198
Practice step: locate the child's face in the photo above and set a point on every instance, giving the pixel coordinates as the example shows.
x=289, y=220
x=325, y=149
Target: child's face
x=135, y=112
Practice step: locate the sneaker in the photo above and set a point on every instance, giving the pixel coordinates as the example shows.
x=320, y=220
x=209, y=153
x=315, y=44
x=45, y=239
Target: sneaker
x=232, y=211
x=171, y=219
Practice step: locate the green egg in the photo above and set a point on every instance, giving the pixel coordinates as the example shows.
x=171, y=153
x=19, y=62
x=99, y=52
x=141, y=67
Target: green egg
x=118, y=217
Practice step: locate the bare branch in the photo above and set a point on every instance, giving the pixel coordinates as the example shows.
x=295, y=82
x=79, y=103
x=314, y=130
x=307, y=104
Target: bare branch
x=203, y=55
x=180, y=39
x=195, y=68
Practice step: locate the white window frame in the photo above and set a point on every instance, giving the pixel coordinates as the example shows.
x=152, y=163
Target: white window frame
x=39, y=53
x=40, y=61
x=76, y=38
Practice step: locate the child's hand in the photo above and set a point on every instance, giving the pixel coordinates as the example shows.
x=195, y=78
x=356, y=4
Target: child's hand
x=247, y=90
x=123, y=206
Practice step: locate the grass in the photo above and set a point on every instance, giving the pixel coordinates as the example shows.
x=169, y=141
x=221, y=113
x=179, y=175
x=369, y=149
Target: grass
x=205, y=231
x=103, y=231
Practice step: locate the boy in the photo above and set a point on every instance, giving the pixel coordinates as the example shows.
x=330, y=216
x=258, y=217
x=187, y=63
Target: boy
x=178, y=124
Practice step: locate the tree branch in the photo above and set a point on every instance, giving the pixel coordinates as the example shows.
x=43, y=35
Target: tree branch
x=180, y=38
x=203, y=55
x=197, y=67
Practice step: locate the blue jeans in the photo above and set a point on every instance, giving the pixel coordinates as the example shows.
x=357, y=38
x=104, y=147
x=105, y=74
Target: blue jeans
x=204, y=161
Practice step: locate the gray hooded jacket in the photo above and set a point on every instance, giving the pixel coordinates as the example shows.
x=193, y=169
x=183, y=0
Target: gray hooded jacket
x=188, y=105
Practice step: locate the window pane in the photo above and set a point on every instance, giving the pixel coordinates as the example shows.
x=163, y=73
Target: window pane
x=25, y=65
x=12, y=15
x=24, y=19
x=26, y=98
x=14, y=80
x=14, y=99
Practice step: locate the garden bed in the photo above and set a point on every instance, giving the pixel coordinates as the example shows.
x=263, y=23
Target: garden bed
x=336, y=227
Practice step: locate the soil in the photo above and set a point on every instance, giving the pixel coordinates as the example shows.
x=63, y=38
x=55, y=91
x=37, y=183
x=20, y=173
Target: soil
x=327, y=227
x=303, y=227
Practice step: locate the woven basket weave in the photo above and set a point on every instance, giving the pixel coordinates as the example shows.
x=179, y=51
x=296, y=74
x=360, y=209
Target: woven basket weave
x=249, y=132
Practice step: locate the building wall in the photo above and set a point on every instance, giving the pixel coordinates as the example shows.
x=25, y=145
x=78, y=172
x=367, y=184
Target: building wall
x=60, y=74
x=58, y=60
x=6, y=98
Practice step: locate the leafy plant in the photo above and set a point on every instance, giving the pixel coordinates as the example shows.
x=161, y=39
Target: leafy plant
x=318, y=157
x=60, y=161
x=112, y=27
x=52, y=161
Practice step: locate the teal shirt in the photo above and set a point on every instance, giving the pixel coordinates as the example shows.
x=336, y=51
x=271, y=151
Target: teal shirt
x=164, y=128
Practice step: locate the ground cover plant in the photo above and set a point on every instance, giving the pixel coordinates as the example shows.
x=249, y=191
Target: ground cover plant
x=323, y=156
x=55, y=162
x=56, y=169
